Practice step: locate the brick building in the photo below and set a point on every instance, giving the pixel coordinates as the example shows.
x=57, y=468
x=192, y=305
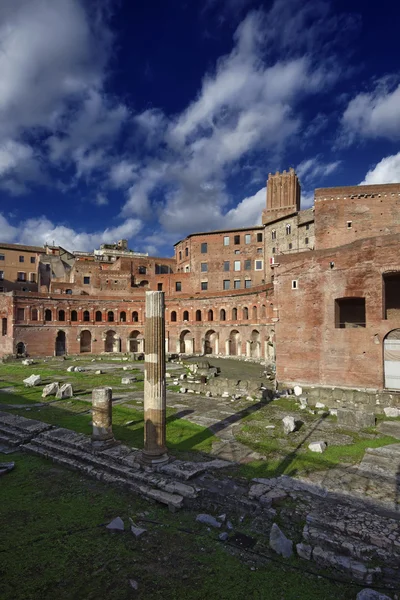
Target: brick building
x=316, y=290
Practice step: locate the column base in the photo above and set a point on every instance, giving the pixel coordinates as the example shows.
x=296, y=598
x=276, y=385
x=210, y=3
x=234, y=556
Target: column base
x=99, y=445
x=150, y=460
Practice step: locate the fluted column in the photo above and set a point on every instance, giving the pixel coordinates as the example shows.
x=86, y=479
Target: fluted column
x=155, y=451
x=102, y=435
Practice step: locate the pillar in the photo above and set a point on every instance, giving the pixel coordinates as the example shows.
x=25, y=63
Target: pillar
x=155, y=451
x=102, y=435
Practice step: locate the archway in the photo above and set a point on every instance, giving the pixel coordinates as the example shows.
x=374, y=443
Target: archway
x=61, y=346
x=234, y=343
x=135, y=342
x=186, y=344
x=21, y=349
x=211, y=342
x=391, y=360
x=255, y=344
x=86, y=341
x=111, y=342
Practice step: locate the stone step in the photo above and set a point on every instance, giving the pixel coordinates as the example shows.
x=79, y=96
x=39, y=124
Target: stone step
x=9, y=441
x=390, y=428
x=22, y=424
x=13, y=434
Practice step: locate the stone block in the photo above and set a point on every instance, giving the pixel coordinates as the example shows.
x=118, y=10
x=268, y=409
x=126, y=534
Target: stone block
x=32, y=381
x=298, y=390
x=368, y=594
x=357, y=419
x=65, y=391
x=128, y=380
x=71, y=369
x=304, y=551
x=280, y=543
x=50, y=390
x=391, y=411
x=289, y=424
x=317, y=447
x=208, y=520
x=116, y=524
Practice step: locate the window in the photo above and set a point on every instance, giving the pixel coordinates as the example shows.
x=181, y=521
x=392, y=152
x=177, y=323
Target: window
x=273, y=250
x=247, y=238
x=226, y=265
x=162, y=269
x=290, y=246
x=186, y=251
x=236, y=239
x=222, y=315
x=98, y=316
x=180, y=255
x=294, y=284
x=204, y=267
x=273, y=234
x=186, y=315
x=247, y=265
x=227, y=284
x=122, y=317
x=234, y=314
x=204, y=286
x=86, y=280
x=20, y=314
x=21, y=276
x=259, y=250
x=247, y=283
x=226, y=240
x=1, y=275
x=61, y=315
x=236, y=284
x=110, y=316
x=258, y=265
x=159, y=287
x=22, y=259
x=288, y=229
x=204, y=248
x=2, y=257
x=32, y=277
x=349, y=313
x=237, y=251
x=307, y=226
x=33, y=260
x=135, y=316
x=142, y=270
x=198, y=315
x=74, y=315
x=391, y=295
x=173, y=316
x=4, y=326
x=210, y=315
x=47, y=315
x=349, y=224
x=306, y=241
x=259, y=237
x=245, y=313
x=254, y=313
x=68, y=291
x=236, y=265
x=178, y=286
x=34, y=316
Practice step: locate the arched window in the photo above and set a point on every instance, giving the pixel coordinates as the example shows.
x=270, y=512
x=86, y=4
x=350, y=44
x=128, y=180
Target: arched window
x=135, y=316
x=263, y=311
x=173, y=315
x=234, y=314
x=255, y=313
x=61, y=315
x=186, y=315
x=74, y=315
x=222, y=315
x=99, y=316
x=34, y=314
x=47, y=315
x=198, y=315
x=210, y=315
x=122, y=317
x=86, y=315
x=245, y=313
x=110, y=316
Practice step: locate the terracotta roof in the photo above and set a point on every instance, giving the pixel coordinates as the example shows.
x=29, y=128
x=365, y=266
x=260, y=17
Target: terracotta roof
x=22, y=247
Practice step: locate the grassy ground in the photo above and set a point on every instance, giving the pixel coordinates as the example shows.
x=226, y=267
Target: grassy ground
x=54, y=545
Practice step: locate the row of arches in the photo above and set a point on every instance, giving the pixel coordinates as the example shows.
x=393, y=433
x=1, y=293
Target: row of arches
x=112, y=342
x=98, y=316
x=211, y=344
x=211, y=315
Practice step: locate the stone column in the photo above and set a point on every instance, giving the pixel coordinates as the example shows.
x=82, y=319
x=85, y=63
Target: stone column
x=155, y=451
x=102, y=435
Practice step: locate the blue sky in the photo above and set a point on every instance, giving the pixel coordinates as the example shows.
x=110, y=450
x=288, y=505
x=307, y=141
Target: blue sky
x=151, y=120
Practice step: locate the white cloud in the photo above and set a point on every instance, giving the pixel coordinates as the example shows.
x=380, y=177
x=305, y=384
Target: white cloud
x=313, y=169
x=122, y=173
x=386, y=171
x=248, y=211
x=375, y=114
x=101, y=200
x=40, y=231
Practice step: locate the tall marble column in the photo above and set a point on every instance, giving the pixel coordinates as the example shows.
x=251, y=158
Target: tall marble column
x=155, y=451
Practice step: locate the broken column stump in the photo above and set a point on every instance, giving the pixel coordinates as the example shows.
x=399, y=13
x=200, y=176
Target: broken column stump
x=155, y=451
x=102, y=434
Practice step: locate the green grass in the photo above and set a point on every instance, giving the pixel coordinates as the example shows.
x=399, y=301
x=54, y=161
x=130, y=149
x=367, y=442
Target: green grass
x=54, y=545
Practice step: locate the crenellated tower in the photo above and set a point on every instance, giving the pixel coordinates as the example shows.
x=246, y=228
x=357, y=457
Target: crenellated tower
x=283, y=196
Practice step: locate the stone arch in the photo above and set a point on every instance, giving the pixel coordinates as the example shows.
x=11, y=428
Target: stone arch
x=254, y=313
x=135, y=342
x=122, y=316
x=198, y=315
x=263, y=311
x=110, y=316
x=391, y=360
x=86, y=316
x=74, y=315
x=211, y=342
x=85, y=344
x=61, y=315
x=245, y=313
x=186, y=342
x=210, y=315
x=98, y=316
x=135, y=316
x=111, y=342
x=34, y=316
x=222, y=314
x=186, y=315
x=173, y=316
x=234, y=343
x=61, y=343
x=234, y=314
x=21, y=349
x=255, y=344
x=48, y=315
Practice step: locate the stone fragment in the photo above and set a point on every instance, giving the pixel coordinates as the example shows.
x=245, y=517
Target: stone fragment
x=257, y=490
x=229, y=525
x=223, y=536
x=79, y=370
x=116, y=524
x=391, y=411
x=182, y=376
x=208, y=520
x=99, y=372
x=317, y=447
x=303, y=402
x=65, y=391
x=369, y=594
x=71, y=369
x=333, y=411
x=50, y=389
x=167, y=375
x=208, y=394
x=225, y=395
x=298, y=390
x=270, y=427
x=32, y=380
x=355, y=418
x=6, y=467
x=222, y=518
x=28, y=361
x=273, y=497
x=134, y=584
x=319, y=405
x=289, y=424
x=182, y=390
x=304, y=551
x=137, y=531
x=128, y=380
x=280, y=543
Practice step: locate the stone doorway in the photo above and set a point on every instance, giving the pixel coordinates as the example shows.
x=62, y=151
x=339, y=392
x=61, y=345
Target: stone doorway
x=112, y=343
x=211, y=342
x=234, y=343
x=391, y=360
x=86, y=341
x=135, y=342
x=186, y=345
x=21, y=349
x=61, y=344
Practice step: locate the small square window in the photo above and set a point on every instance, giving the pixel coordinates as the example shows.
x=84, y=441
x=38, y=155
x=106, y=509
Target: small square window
x=306, y=241
x=21, y=276
x=236, y=239
x=33, y=260
x=204, y=248
x=22, y=259
x=294, y=284
x=247, y=265
x=273, y=234
x=32, y=277
x=226, y=240
x=259, y=237
x=247, y=283
x=204, y=285
x=236, y=266
x=258, y=265
x=178, y=286
x=226, y=265
x=307, y=226
x=290, y=246
x=204, y=267
x=247, y=238
x=68, y=291
x=86, y=280
x=273, y=250
x=159, y=287
x=142, y=270
x=236, y=284
x=349, y=224
x=237, y=251
x=227, y=284
x=2, y=257
x=259, y=250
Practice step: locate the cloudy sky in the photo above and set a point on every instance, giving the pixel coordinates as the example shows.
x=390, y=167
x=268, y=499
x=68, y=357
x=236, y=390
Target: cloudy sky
x=151, y=120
